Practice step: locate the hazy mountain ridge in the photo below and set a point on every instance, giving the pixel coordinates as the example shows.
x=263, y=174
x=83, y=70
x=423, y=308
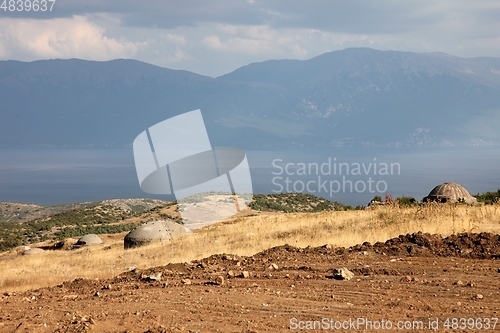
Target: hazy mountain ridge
x=358, y=97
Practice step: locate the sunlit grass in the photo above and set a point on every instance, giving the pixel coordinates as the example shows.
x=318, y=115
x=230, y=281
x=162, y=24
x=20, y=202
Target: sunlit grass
x=245, y=235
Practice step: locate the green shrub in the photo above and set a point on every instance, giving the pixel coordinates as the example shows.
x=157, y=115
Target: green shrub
x=406, y=201
x=294, y=202
x=488, y=197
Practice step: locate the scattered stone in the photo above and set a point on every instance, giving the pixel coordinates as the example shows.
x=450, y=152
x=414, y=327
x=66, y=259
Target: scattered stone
x=219, y=281
x=342, y=274
x=244, y=275
x=407, y=278
x=154, y=277
x=478, y=296
x=458, y=283
x=34, y=250
x=273, y=266
x=107, y=287
x=131, y=268
x=71, y=297
x=187, y=282
x=470, y=284
x=165, y=284
x=97, y=294
x=230, y=274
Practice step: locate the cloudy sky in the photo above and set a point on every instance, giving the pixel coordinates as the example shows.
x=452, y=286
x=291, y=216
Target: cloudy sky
x=216, y=37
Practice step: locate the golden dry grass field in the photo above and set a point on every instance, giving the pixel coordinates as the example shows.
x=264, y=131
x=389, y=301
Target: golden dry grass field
x=245, y=234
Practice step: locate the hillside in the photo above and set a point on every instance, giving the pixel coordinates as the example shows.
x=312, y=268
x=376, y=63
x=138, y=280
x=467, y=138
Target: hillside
x=21, y=212
x=262, y=269
x=354, y=97
x=56, y=223
x=27, y=224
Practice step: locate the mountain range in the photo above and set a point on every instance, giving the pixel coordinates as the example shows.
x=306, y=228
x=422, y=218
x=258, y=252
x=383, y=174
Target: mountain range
x=353, y=97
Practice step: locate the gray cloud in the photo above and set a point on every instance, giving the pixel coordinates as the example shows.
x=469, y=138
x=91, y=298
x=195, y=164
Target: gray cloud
x=214, y=37
x=353, y=16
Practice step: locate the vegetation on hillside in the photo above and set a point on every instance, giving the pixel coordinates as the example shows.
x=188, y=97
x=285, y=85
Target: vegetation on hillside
x=488, y=197
x=20, y=212
x=403, y=201
x=294, y=203
x=95, y=219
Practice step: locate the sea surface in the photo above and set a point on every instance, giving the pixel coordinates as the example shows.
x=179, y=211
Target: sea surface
x=354, y=177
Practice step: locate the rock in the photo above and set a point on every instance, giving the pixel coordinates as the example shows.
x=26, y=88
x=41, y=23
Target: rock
x=154, y=277
x=478, y=296
x=273, y=266
x=407, y=278
x=230, y=274
x=107, y=287
x=34, y=250
x=342, y=274
x=97, y=294
x=219, y=281
x=187, y=282
x=458, y=283
x=22, y=248
x=244, y=275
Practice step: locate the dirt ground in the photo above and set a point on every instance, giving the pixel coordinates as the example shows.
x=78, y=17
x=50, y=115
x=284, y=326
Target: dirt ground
x=417, y=283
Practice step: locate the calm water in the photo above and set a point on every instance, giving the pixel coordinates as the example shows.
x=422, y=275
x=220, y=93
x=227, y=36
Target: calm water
x=55, y=176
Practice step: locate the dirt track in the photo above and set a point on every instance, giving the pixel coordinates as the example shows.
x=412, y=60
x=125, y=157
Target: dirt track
x=406, y=281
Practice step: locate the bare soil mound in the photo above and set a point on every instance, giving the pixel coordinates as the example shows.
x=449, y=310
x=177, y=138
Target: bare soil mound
x=467, y=245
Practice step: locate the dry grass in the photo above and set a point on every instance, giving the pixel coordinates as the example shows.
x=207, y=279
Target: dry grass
x=245, y=235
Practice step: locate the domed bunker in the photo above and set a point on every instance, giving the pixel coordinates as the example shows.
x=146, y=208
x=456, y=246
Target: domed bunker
x=152, y=232
x=90, y=239
x=450, y=192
